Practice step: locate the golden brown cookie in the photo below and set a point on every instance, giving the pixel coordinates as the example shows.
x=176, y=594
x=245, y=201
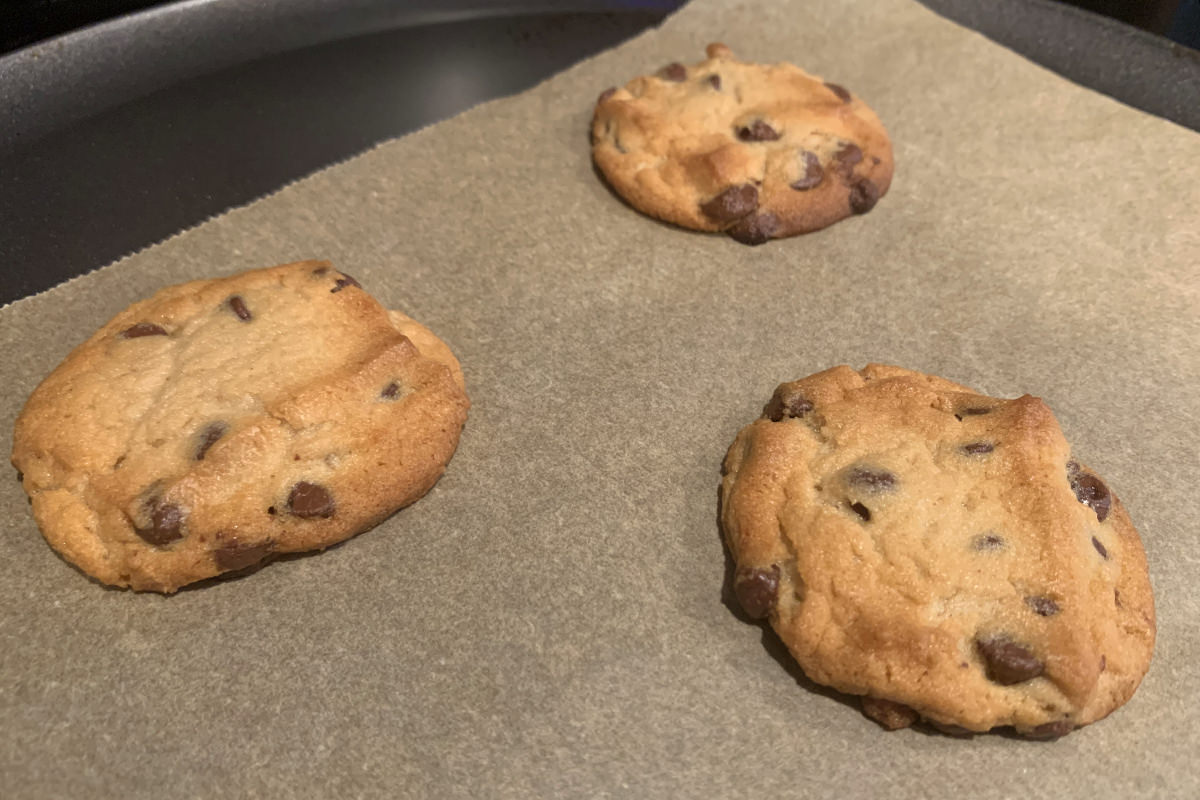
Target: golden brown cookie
x=938, y=552
x=221, y=422
x=759, y=151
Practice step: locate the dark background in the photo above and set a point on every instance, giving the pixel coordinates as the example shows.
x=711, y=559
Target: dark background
x=24, y=22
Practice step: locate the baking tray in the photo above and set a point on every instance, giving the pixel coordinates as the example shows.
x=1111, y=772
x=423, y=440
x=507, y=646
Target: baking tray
x=116, y=136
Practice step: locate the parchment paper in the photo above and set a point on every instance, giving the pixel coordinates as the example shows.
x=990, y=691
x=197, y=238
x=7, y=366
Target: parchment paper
x=549, y=620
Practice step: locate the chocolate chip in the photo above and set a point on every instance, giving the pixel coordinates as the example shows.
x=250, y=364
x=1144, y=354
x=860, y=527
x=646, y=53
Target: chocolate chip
x=343, y=282
x=891, y=715
x=754, y=229
x=390, y=391
x=950, y=729
x=607, y=93
x=786, y=403
x=271, y=510
x=166, y=524
x=208, y=437
x=756, y=589
x=239, y=307
x=846, y=158
x=1042, y=606
x=862, y=511
x=987, y=541
x=978, y=448
x=1103, y=662
x=310, y=500
x=732, y=204
x=673, y=72
x=143, y=329
x=319, y=271
x=239, y=555
x=1008, y=662
x=814, y=173
x=1100, y=548
x=871, y=478
x=972, y=411
x=840, y=91
x=20, y=476
x=757, y=131
x=863, y=196
x=1051, y=730
x=714, y=81
x=1089, y=490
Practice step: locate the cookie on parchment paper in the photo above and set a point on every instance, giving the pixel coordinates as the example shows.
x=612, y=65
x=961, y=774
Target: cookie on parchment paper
x=222, y=422
x=938, y=552
x=761, y=151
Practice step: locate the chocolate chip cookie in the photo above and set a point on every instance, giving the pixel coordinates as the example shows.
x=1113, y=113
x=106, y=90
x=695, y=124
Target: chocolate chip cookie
x=222, y=422
x=758, y=151
x=938, y=552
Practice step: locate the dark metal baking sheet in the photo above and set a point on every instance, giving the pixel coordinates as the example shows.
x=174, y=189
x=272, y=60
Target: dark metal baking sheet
x=116, y=136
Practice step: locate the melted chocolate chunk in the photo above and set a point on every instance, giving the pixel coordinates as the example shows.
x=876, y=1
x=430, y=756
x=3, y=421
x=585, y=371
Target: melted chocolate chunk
x=1100, y=548
x=607, y=93
x=950, y=729
x=756, y=589
x=238, y=305
x=714, y=81
x=785, y=404
x=1008, y=662
x=863, y=196
x=208, y=437
x=343, y=282
x=847, y=158
x=973, y=411
x=757, y=131
x=673, y=72
x=1051, y=730
x=891, y=715
x=390, y=391
x=732, y=204
x=754, y=229
x=143, y=329
x=310, y=500
x=814, y=173
x=1042, y=606
x=978, y=448
x=1089, y=490
x=987, y=541
x=840, y=91
x=862, y=511
x=166, y=524
x=239, y=555
x=872, y=479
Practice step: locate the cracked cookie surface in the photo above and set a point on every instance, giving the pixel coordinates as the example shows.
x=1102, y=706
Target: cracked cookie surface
x=758, y=151
x=222, y=422
x=937, y=552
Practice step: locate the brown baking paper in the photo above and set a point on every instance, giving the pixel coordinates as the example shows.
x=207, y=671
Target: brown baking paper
x=549, y=620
